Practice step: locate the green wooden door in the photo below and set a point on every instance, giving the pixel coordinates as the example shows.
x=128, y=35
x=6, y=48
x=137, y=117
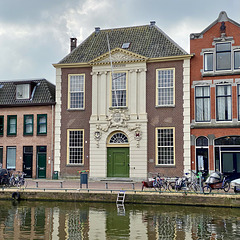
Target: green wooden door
x=118, y=162
x=41, y=162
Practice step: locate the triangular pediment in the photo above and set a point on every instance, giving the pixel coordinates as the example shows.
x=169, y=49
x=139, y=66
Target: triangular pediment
x=118, y=55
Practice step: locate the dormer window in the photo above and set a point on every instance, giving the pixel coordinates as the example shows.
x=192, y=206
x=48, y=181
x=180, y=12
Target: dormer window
x=223, y=59
x=23, y=91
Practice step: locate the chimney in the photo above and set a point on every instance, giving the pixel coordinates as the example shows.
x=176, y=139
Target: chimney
x=152, y=23
x=73, y=42
x=97, y=30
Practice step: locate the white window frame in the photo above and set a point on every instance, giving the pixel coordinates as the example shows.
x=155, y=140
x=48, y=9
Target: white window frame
x=76, y=89
x=225, y=97
x=81, y=160
x=213, y=51
x=202, y=97
x=115, y=88
x=235, y=51
x=164, y=89
x=165, y=145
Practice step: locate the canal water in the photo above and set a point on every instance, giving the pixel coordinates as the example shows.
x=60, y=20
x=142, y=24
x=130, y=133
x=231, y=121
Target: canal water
x=71, y=220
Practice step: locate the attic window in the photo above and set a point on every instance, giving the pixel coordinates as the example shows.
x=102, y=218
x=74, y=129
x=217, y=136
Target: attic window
x=126, y=45
x=23, y=91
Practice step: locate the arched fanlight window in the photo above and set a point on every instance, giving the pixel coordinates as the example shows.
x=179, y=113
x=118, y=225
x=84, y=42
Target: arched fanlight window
x=118, y=138
x=202, y=142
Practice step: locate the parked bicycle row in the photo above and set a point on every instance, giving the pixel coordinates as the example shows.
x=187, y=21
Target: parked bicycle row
x=12, y=178
x=192, y=182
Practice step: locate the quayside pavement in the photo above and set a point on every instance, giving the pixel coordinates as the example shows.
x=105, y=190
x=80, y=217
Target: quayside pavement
x=98, y=191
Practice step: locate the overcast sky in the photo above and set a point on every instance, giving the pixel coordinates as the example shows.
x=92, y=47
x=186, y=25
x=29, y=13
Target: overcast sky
x=35, y=34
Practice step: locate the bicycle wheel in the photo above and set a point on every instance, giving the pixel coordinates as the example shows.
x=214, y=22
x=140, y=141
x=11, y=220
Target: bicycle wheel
x=195, y=187
x=171, y=186
x=226, y=187
x=207, y=189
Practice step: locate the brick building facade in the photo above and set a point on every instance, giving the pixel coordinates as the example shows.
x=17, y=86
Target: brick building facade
x=123, y=105
x=27, y=110
x=215, y=85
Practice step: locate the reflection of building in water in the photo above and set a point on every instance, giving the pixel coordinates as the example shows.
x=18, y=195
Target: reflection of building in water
x=97, y=228
x=81, y=221
x=76, y=224
x=27, y=223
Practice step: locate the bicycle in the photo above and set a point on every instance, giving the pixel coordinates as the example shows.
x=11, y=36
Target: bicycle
x=182, y=183
x=19, y=179
x=160, y=183
x=11, y=181
x=195, y=184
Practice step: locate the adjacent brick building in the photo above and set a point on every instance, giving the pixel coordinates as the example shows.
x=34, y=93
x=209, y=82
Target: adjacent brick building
x=215, y=97
x=27, y=110
x=123, y=105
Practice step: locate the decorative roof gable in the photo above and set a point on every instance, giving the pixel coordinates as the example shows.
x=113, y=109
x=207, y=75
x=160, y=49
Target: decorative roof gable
x=221, y=18
x=118, y=55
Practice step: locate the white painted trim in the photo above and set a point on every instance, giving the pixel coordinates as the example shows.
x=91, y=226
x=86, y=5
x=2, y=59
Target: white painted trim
x=186, y=117
x=57, y=145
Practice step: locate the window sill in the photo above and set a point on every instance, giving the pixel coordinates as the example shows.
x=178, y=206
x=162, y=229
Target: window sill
x=111, y=108
x=216, y=124
x=221, y=73
x=166, y=106
x=165, y=166
x=42, y=134
x=75, y=165
x=75, y=109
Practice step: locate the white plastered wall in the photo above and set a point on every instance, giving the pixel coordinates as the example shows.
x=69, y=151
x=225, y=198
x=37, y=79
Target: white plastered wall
x=136, y=110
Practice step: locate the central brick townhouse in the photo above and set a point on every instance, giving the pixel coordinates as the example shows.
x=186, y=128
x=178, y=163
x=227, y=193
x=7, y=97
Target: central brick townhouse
x=123, y=105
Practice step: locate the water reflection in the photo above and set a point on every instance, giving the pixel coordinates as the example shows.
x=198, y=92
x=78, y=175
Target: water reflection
x=58, y=220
